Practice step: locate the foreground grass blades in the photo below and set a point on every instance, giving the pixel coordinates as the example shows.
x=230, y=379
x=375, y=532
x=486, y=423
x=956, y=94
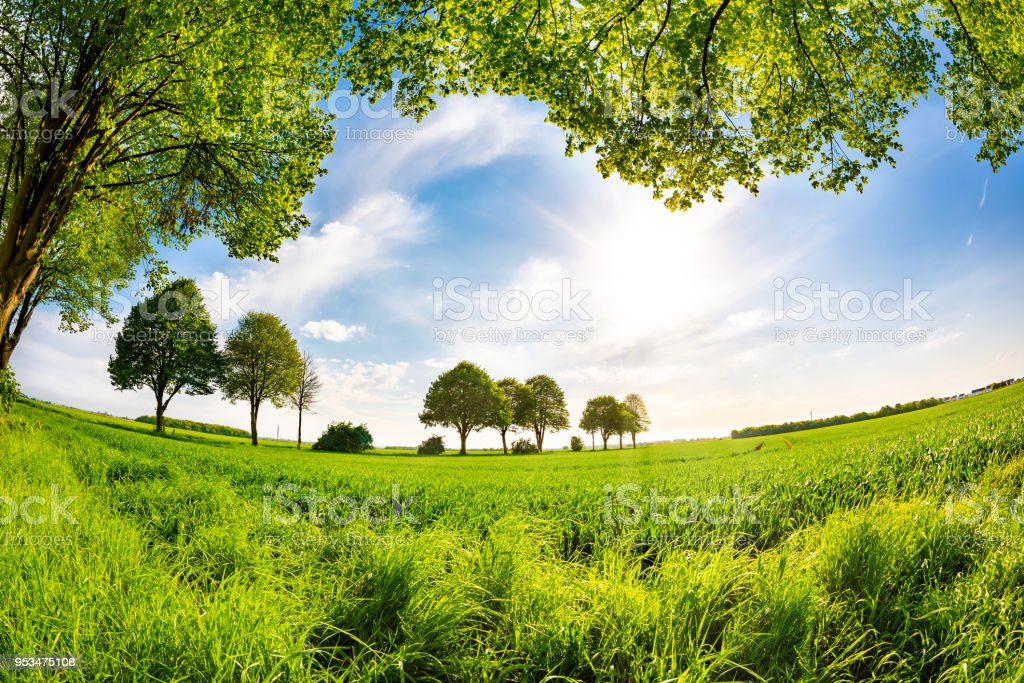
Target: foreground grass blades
x=869, y=552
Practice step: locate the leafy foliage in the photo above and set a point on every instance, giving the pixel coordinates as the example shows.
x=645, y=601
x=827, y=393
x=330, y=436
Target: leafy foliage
x=543, y=409
x=576, y=444
x=605, y=415
x=433, y=445
x=464, y=398
x=263, y=364
x=687, y=97
x=168, y=344
x=9, y=392
x=160, y=123
x=344, y=437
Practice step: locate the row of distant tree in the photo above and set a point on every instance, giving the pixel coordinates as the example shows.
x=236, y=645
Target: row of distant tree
x=193, y=426
x=466, y=399
x=766, y=430
x=170, y=345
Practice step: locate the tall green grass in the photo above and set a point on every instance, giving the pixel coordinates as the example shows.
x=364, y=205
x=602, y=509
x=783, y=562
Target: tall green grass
x=853, y=566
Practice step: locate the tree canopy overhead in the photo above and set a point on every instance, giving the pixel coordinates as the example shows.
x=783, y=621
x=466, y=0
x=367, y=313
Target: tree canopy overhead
x=159, y=121
x=686, y=97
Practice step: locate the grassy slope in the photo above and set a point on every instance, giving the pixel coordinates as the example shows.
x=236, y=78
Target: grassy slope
x=850, y=570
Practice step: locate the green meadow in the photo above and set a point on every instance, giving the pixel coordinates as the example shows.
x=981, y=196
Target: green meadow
x=874, y=550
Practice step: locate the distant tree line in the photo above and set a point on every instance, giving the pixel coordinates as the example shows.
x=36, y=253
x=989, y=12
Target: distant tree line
x=767, y=430
x=466, y=399
x=192, y=426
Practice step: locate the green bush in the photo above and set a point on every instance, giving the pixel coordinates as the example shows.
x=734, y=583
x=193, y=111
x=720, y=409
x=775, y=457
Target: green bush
x=523, y=446
x=576, y=443
x=344, y=437
x=9, y=393
x=432, y=446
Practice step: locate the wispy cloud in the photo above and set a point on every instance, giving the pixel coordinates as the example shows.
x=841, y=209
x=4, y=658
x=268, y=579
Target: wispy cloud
x=331, y=330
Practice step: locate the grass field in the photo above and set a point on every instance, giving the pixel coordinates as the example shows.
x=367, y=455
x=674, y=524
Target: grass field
x=840, y=554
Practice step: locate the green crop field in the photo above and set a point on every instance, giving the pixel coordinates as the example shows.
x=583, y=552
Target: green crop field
x=870, y=550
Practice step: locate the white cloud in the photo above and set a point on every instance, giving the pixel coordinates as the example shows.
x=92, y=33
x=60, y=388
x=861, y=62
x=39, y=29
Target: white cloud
x=331, y=330
x=317, y=264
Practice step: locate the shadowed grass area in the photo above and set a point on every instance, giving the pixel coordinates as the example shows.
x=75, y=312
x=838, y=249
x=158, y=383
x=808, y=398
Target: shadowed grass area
x=838, y=555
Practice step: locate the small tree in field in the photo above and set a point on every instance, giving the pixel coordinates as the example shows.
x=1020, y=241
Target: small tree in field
x=263, y=364
x=641, y=422
x=576, y=444
x=625, y=423
x=307, y=392
x=168, y=344
x=511, y=417
x=545, y=411
x=464, y=398
x=603, y=414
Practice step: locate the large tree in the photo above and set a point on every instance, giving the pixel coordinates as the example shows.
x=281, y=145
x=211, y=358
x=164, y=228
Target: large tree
x=685, y=97
x=465, y=399
x=546, y=411
x=263, y=364
x=168, y=344
x=159, y=121
x=641, y=421
x=307, y=391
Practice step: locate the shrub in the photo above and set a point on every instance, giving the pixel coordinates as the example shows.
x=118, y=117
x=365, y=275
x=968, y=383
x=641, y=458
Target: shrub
x=432, y=446
x=576, y=443
x=344, y=437
x=523, y=446
x=9, y=392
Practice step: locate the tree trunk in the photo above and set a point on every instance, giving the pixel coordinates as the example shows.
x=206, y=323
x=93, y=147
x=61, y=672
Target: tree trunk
x=159, y=412
x=504, y=446
x=462, y=437
x=620, y=441
x=15, y=281
x=6, y=349
x=605, y=439
x=633, y=434
x=299, y=444
x=253, y=412
x=593, y=442
x=540, y=440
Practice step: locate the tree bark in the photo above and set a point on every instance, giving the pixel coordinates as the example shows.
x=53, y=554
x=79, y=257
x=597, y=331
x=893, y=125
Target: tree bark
x=633, y=434
x=593, y=442
x=620, y=441
x=253, y=412
x=299, y=444
x=159, y=411
x=504, y=446
x=605, y=439
x=462, y=437
x=539, y=433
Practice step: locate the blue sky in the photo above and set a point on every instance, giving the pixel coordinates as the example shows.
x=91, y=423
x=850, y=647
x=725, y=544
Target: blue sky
x=679, y=307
